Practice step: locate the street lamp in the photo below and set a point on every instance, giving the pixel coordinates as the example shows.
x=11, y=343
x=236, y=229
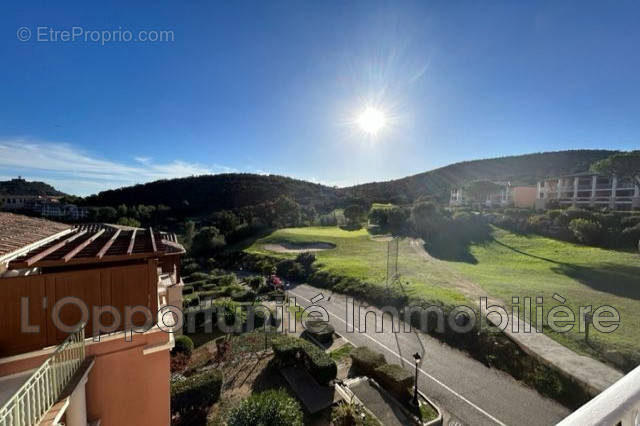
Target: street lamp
x=417, y=358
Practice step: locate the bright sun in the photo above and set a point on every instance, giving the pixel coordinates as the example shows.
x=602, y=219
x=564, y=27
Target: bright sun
x=371, y=120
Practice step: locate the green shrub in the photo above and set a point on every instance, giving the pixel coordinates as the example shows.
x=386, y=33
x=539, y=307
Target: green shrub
x=197, y=285
x=290, y=350
x=290, y=269
x=255, y=282
x=243, y=295
x=366, y=360
x=198, y=276
x=196, y=392
x=226, y=280
x=586, y=231
x=187, y=289
x=190, y=268
x=183, y=345
x=190, y=301
x=210, y=294
x=269, y=408
x=630, y=236
x=208, y=287
x=395, y=379
x=630, y=221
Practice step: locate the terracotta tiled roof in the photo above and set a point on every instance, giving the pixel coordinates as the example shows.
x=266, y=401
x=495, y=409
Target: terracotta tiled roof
x=18, y=231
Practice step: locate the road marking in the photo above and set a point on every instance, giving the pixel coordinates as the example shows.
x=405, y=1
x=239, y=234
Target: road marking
x=410, y=363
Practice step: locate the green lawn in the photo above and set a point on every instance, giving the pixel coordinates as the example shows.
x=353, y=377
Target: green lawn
x=510, y=265
x=360, y=255
x=529, y=265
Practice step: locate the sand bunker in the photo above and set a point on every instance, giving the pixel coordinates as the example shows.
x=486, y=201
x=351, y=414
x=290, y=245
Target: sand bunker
x=298, y=248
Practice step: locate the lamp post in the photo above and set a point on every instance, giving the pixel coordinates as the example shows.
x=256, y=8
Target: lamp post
x=417, y=358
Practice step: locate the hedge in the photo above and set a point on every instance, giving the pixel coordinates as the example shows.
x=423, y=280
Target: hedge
x=187, y=289
x=272, y=407
x=395, y=379
x=367, y=360
x=291, y=350
x=197, y=285
x=190, y=301
x=198, y=276
x=183, y=345
x=196, y=392
x=243, y=295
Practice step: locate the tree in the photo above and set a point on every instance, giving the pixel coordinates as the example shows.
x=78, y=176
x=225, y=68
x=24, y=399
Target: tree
x=226, y=221
x=379, y=217
x=353, y=214
x=189, y=232
x=426, y=218
x=398, y=217
x=207, y=240
x=122, y=210
x=479, y=190
x=107, y=214
x=625, y=165
x=127, y=221
x=287, y=211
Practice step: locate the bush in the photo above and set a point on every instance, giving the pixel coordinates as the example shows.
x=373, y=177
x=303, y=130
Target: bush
x=196, y=392
x=190, y=301
x=272, y=407
x=198, y=276
x=586, y=231
x=225, y=280
x=197, y=285
x=208, y=287
x=255, y=282
x=631, y=236
x=290, y=269
x=630, y=221
x=306, y=259
x=367, y=360
x=183, y=345
x=395, y=379
x=190, y=268
x=291, y=350
x=243, y=295
x=187, y=289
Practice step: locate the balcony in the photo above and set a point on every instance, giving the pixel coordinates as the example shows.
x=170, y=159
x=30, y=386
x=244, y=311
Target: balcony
x=31, y=400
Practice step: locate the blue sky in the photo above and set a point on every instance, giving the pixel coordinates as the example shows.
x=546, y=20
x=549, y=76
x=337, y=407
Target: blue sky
x=274, y=87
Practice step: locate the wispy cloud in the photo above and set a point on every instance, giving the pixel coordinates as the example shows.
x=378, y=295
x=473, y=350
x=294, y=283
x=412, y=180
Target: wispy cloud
x=78, y=172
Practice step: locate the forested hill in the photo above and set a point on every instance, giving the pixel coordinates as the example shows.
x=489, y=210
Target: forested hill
x=210, y=193
x=22, y=187
x=218, y=192
x=523, y=169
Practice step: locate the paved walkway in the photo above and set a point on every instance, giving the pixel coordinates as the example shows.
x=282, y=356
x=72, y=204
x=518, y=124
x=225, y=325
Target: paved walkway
x=381, y=405
x=314, y=397
x=594, y=375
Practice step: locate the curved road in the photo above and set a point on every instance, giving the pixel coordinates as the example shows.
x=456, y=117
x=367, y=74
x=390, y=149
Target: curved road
x=469, y=392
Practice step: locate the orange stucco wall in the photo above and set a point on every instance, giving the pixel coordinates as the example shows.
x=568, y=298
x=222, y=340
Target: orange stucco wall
x=524, y=197
x=126, y=387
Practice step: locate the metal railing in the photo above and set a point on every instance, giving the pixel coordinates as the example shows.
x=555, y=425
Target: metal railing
x=618, y=405
x=41, y=391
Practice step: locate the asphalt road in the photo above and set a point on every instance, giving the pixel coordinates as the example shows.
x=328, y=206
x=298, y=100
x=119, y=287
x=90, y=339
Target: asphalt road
x=468, y=392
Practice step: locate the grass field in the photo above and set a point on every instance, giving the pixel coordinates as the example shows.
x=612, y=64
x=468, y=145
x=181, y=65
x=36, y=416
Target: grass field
x=528, y=265
x=509, y=265
x=360, y=255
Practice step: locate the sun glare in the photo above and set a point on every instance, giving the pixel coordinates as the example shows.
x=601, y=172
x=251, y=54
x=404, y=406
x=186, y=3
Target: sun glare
x=371, y=121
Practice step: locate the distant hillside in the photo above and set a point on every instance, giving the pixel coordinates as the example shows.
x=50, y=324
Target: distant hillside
x=525, y=169
x=22, y=187
x=217, y=192
x=230, y=191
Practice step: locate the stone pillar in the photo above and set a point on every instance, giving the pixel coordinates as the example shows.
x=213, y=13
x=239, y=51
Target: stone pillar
x=545, y=193
x=635, y=201
x=576, y=182
x=559, y=190
x=594, y=183
x=76, y=413
x=612, y=200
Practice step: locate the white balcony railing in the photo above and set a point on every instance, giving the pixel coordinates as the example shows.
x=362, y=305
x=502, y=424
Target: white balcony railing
x=41, y=391
x=618, y=405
